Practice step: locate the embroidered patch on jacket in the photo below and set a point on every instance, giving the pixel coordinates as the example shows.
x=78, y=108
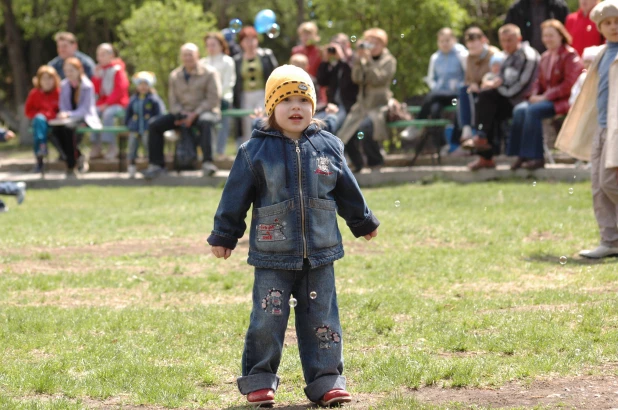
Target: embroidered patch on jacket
x=273, y=302
x=271, y=232
x=323, y=166
x=326, y=337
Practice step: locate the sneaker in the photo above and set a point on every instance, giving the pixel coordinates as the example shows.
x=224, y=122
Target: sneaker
x=21, y=192
x=132, y=169
x=82, y=164
x=334, y=397
x=112, y=154
x=153, y=171
x=533, y=164
x=481, y=163
x=3, y=207
x=208, y=169
x=466, y=133
x=71, y=174
x=411, y=133
x=96, y=152
x=601, y=251
x=262, y=397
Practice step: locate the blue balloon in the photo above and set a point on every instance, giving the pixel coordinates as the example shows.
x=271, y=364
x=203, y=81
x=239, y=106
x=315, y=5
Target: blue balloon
x=264, y=20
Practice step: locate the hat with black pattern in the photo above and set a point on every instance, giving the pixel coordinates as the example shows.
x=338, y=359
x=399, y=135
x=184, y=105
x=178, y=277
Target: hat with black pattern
x=288, y=81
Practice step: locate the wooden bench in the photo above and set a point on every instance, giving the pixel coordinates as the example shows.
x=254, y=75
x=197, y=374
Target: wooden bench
x=431, y=124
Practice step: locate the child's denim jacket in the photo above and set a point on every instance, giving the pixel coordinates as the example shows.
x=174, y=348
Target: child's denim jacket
x=296, y=189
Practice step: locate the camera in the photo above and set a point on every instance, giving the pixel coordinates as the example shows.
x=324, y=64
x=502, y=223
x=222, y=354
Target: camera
x=331, y=50
x=365, y=45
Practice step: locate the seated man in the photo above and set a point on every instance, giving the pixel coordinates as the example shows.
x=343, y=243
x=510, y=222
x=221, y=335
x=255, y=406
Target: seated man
x=512, y=86
x=194, y=100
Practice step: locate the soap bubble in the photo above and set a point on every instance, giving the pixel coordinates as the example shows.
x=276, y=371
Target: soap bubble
x=313, y=294
x=293, y=302
x=454, y=101
x=309, y=4
x=394, y=81
x=528, y=23
x=480, y=127
x=534, y=183
x=580, y=318
x=402, y=35
x=353, y=39
x=571, y=191
x=397, y=204
x=577, y=352
x=312, y=15
x=563, y=260
x=274, y=31
x=235, y=25
x=360, y=135
x=329, y=24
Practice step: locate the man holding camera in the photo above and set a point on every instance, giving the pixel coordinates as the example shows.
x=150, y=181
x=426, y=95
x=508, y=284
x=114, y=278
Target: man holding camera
x=194, y=95
x=373, y=70
x=335, y=73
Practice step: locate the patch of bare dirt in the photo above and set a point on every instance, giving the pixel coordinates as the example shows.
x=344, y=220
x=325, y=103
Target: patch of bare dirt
x=578, y=392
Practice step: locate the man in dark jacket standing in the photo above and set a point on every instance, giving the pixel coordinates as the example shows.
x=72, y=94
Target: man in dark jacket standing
x=529, y=14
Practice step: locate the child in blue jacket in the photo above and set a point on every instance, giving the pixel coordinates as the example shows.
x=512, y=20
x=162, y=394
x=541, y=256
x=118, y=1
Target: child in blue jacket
x=17, y=189
x=296, y=177
x=144, y=105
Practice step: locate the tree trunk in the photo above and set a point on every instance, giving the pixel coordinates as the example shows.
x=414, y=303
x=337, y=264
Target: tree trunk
x=72, y=22
x=300, y=16
x=15, y=46
x=222, y=16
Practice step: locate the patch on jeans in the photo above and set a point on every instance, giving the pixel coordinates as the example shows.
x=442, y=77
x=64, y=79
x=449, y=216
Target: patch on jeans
x=271, y=232
x=326, y=337
x=323, y=166
x=273, y=302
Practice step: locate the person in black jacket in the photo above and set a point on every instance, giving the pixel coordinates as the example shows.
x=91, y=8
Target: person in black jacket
x=253, y=67
x=335, y=73
x=529, y=14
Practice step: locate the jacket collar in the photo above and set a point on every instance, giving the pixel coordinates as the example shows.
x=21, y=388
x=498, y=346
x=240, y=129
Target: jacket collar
x=261, y=132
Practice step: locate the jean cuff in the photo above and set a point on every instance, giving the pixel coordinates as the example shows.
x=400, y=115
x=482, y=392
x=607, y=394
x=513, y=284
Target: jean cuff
x=259, y=381
x=319, y=387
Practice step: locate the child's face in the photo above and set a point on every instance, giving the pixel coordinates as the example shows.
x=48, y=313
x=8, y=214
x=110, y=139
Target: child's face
x=143, y=87
x=495, y=68
x=293, y=115
x=47, y=82
x=307, y=38
x=609, y=29
x=551, y=38
x=71, y=73
x=446, y=43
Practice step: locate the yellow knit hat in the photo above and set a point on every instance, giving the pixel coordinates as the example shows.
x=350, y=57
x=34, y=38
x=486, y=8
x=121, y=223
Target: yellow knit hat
x=287, y=81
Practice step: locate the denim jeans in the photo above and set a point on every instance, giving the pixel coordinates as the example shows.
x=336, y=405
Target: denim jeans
x=8, y=188
x=526, y=136
x=134, y=140
x=317, y=328
x=39, y=127
x=370, y=146
x=223, y=135
x=108, y=117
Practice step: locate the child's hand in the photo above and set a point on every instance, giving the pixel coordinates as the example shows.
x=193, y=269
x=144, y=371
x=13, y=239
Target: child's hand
x=331, y=108
x=371, y=235
x=9, y=135
x=221, y=252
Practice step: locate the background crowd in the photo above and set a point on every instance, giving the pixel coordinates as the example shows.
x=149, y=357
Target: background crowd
x=501, y=94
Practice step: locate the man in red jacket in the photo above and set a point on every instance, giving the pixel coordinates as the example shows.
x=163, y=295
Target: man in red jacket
x=582, y=29
x=112, y=87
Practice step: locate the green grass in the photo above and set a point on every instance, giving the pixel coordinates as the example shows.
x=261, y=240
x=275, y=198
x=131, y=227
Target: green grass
x=110, y=295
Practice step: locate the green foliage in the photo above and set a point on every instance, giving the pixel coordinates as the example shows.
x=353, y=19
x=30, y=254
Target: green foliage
x=151, y=37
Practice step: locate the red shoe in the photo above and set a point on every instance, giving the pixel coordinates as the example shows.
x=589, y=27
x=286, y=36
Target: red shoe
x=477, y=143
x=261, y=397
x=481, y=163
x=335, y=396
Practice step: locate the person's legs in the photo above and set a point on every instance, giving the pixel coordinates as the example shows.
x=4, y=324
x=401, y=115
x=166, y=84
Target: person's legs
x=264, y=340
x=513, y=145
x=250, y=101
x=604, y=191
x=318, y=330
x=40, y=128
x=532, y=132
x=205, y=123
x=353, y=151
x=9, y=188
x=155, y=138
x=370, y=146
x=67, y=140
x=223, y=135
x=134, y=139
x=108, y=117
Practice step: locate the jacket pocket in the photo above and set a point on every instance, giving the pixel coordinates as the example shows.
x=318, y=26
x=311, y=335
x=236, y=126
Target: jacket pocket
x=275, y=228
x=322, y=224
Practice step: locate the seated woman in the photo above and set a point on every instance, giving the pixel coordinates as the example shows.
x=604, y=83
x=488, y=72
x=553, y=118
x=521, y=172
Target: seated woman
x=77, y=104
x=560, y=67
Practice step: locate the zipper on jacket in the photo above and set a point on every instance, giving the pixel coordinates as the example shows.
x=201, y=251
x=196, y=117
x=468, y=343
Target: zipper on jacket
x=302, y=202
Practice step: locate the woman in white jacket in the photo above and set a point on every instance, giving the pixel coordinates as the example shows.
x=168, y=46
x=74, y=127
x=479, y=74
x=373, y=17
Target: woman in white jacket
x=218, y=57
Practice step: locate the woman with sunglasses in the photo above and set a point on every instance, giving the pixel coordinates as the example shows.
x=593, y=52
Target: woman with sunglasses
x=253, y=66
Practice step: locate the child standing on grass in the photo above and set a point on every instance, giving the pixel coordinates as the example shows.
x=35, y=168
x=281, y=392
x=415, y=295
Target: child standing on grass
x=296, y=177
x=144, y=105
x=17, y=189
x=590, y=131
x=42, y=106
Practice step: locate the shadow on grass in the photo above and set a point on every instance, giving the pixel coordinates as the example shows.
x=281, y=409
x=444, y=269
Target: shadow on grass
x=555, y=260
